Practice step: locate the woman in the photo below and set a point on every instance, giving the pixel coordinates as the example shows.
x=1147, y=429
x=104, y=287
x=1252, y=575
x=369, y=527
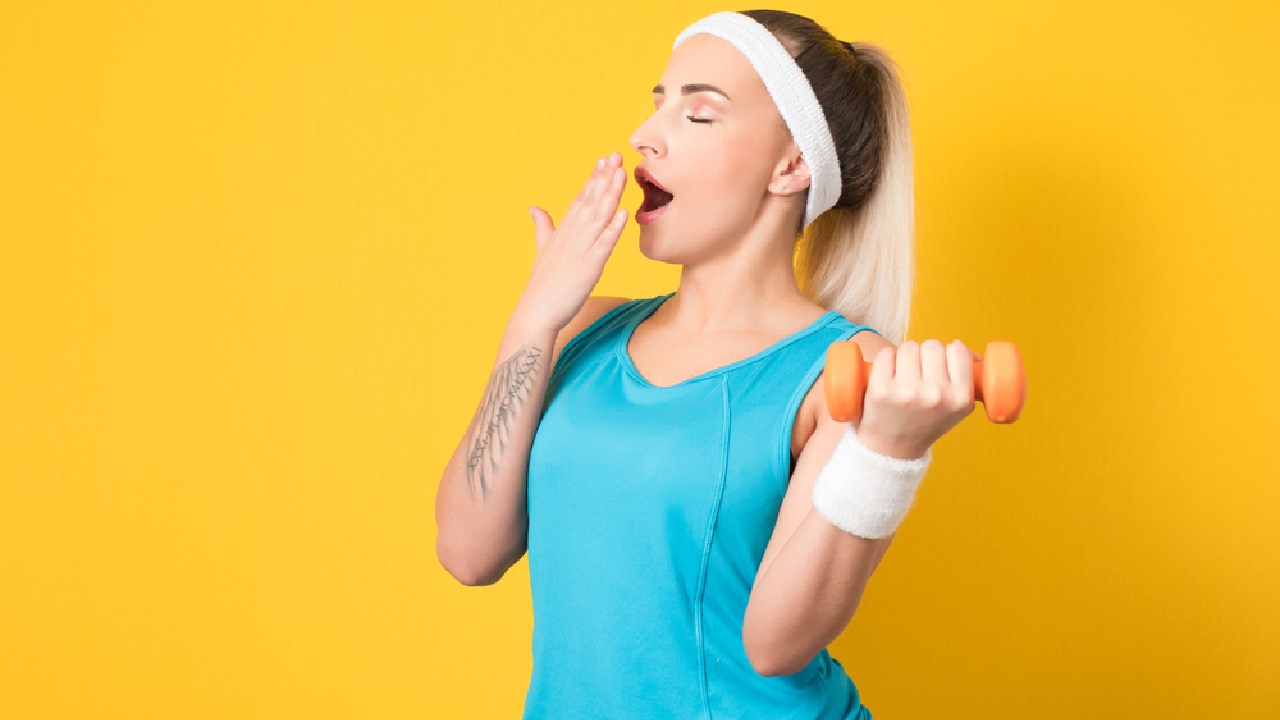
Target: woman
x=698, y=527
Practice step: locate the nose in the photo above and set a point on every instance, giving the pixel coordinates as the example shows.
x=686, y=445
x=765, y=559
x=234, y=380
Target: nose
x=647, y=140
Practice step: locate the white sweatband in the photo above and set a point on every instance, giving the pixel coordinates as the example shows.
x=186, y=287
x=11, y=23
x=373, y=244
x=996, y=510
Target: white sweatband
x=865, y=493
x=793, y=95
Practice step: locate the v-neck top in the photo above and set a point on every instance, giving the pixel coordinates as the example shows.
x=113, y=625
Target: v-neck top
x=650, y=508
x=624, y=340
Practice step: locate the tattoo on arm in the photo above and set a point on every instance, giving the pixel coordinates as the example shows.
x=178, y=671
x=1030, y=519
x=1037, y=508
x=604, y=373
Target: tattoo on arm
x=507, y=392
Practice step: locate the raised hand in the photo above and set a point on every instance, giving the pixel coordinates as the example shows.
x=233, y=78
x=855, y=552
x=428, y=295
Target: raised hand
x=570, y=258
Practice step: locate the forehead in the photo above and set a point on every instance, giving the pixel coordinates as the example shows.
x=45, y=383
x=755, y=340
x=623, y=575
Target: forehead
x=710, y=59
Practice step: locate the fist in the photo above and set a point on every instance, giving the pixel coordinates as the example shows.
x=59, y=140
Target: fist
x=915, y=394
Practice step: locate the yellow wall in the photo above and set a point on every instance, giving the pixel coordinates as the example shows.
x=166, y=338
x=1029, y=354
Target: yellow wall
x=255, y=261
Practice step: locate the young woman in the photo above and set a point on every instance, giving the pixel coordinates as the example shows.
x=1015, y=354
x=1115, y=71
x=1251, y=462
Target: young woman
x=698, y=527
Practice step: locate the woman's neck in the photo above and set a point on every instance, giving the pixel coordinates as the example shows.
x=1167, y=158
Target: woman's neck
x=738, y=294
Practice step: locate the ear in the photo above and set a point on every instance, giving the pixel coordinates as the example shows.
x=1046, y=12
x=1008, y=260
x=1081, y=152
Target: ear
x=791, y=174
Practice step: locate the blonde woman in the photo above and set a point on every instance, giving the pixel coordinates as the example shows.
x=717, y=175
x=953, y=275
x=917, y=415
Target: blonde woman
x=698, y=528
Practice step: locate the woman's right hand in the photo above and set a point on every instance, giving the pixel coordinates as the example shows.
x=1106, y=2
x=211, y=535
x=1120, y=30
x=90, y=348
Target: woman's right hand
x=570, y=258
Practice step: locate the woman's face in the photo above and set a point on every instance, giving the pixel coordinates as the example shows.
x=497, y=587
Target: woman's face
x=718, y=145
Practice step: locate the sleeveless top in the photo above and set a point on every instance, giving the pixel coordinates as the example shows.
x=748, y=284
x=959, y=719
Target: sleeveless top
x=649, y=512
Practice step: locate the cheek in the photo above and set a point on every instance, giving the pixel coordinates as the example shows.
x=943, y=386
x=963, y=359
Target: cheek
x=734, y=165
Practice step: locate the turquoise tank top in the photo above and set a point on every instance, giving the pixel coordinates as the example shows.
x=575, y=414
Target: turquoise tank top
x=649, y=512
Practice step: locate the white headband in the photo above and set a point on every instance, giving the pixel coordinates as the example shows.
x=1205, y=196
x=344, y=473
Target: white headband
x=793, y=95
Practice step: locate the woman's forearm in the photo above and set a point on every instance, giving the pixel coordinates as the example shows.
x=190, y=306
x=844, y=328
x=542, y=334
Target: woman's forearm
x=807, y=595
x=481, y=519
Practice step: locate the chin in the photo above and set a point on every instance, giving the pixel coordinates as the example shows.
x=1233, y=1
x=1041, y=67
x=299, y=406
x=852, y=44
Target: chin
x=671, y=248
x=654, y=246
x=650, y=245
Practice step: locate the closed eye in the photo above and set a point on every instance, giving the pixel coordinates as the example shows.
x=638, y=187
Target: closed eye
x=698, y=120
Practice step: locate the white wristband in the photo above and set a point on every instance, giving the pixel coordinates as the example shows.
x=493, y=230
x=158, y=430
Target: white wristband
x=865, y=493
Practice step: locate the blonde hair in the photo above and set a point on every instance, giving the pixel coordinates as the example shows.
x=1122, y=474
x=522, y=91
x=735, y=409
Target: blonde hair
x=858, y=257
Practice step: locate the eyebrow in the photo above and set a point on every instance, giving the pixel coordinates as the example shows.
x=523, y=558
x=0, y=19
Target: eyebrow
x=693, y=88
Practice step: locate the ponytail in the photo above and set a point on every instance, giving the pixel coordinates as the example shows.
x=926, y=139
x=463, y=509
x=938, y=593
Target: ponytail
x=857, y=258
x=860, y=261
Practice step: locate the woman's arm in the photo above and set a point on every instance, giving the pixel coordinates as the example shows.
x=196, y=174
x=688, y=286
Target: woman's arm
x=481, y=519
x=813, y=574
x=480, y=504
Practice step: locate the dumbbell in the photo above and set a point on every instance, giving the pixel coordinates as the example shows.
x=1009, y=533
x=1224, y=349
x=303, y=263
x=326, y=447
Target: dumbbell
x=998, y=381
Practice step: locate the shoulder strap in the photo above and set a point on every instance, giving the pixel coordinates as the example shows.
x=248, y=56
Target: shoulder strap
x=588, y=334
x=839, y=331
x=819, y=364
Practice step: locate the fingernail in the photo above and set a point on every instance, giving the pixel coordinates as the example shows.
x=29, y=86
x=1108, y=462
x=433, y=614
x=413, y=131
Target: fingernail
x=600, y=163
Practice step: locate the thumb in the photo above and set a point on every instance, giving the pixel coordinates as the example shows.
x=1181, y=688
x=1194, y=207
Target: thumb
x=542, y=225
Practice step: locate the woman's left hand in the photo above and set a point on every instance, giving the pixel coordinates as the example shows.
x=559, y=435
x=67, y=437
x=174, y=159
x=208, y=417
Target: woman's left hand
x=915, y=394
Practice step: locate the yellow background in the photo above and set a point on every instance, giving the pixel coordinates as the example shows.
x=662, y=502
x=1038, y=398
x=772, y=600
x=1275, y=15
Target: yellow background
x=255, y=260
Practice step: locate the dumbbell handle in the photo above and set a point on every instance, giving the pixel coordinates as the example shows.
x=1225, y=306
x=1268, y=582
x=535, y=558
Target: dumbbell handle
x=999, y=382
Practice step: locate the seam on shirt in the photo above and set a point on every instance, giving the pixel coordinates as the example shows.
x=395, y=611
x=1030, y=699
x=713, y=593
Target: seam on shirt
x=712, y=517
x=793, y=405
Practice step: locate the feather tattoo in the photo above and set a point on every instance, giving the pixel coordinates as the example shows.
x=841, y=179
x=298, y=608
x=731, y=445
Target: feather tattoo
x=507, y=393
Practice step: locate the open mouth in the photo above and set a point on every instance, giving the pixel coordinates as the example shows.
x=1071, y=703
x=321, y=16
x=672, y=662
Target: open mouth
x=655, y=196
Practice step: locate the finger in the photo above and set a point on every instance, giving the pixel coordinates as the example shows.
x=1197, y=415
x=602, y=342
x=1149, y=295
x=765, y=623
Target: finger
x=606, y=205
x=907, y=368
x=933, y=363
x=960, y=366
x=599, y=181
x=881, y=371
x=608, y=238
x=590, y=215
x=575, y=207
x=933, y=372
x=620, y=182
x=542, y=225
x=622, y=176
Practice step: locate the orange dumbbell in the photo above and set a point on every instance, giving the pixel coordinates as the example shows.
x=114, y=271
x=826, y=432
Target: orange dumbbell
x=998, y=381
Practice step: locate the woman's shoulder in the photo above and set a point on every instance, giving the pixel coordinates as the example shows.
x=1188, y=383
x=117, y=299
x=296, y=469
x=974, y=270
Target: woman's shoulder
x=812, y=409
x=593, y=310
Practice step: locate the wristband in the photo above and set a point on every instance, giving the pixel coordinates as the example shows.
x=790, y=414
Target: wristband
x=865, y=493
